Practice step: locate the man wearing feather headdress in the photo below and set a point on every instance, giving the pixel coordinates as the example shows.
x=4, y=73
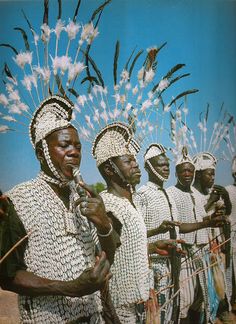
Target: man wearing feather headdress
x=160, y=216
x=193, y=293
x=115, y=152
x=214, y=198
x=62, y=277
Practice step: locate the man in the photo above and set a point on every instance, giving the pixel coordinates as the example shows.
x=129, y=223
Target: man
x=214, y=198
x=231, y=271
x=62, y=276
x=114, y=150
x=156, y=207
x=191, y=213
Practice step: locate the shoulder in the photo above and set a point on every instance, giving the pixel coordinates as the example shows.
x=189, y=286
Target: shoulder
x=142, y=189
x=21, y=188
x=171, y=189
x=111, y=201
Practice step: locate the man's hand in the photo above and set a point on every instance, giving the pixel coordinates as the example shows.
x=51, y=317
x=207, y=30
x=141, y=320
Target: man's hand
x=93, y=208
x=217, y=193
x=4, y=206
x=218, y=219
x=164, y=247
x=167, y=225
x=92, y=279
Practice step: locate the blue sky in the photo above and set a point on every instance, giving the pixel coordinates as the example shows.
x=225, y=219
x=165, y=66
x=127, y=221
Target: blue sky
x=199, y=33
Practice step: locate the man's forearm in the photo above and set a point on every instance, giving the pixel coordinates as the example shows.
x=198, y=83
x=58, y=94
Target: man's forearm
x=28, y=284
x=153, y=232
x=191, y=227
x=109, y=244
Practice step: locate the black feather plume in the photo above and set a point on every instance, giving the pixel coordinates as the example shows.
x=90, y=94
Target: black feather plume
x=10, y=46
x=185, y=93
x=45, y=15
x=27, y=47
x=76, y=11
x=116, y=56
x=99, y=9
x=134, y=61
x=59, y=10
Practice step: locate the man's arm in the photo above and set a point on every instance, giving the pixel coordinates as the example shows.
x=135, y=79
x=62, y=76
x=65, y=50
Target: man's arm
x=165, y=226
x=29, y=284
x=15, y=277
x=215, y=220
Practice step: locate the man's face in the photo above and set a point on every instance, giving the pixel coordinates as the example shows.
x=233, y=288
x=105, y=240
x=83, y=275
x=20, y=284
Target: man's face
x=129, y=168
x=161, y=165
x=65, y=150
x=185, y=173
x=207, y=178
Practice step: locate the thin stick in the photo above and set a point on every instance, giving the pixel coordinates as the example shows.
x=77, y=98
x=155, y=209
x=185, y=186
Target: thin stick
x=189, y=261
x=187, y=279
x=15, y=246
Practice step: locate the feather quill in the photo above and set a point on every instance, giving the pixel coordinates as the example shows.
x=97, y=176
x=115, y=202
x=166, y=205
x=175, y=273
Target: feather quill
x=116, y=56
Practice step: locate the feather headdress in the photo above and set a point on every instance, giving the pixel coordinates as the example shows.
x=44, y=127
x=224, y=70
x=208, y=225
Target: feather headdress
x=52, y=67
x=202, y=143
x=136, y=96
x=230, y=140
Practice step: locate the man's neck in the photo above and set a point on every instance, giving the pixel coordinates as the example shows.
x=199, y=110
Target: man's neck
x=182, y=187
x=62, y=193
x=120, y=191
x=157, y=181
x=204, y=191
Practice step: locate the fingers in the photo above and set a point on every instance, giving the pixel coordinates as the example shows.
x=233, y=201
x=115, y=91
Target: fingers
x=89, y=189
x=102, y=266
x=88, y=207
x=162, y=252
x=180, y=241
x=172, y=223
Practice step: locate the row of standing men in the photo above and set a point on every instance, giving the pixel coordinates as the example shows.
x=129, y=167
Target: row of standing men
x=145, y=243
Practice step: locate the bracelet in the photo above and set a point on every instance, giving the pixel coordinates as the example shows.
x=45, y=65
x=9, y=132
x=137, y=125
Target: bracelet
x=109, y=233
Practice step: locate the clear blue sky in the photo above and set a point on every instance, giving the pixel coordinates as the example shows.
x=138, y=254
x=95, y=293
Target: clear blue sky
x=199, y=33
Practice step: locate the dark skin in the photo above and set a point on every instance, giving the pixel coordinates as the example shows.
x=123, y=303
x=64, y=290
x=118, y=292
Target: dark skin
x=129, y=169
x=65, y=152
x=161, y=165
x=4, y=203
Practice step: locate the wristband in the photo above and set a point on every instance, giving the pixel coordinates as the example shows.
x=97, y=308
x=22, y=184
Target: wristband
x=109, y=233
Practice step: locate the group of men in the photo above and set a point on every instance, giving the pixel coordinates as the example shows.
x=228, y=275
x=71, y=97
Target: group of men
x=101, y=258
